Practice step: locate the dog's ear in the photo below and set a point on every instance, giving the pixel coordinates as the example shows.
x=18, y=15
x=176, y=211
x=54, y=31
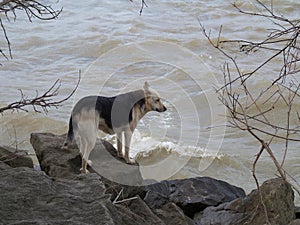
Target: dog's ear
x=146, y=88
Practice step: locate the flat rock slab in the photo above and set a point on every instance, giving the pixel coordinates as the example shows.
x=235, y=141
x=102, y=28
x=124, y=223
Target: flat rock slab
x=66, y=163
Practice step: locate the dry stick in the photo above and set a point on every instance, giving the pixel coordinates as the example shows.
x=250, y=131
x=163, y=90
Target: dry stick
x=240, y=75
x=256, y=180
x=257, y=183
x=32, y=9
x=7, y=41
x=253, y=171
x=117, y=201
x=287, y=133
x=44, y=101
x=266, y=146
x=142, y=7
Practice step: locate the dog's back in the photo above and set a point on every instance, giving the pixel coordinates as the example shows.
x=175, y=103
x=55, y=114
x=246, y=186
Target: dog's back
x=107, y=113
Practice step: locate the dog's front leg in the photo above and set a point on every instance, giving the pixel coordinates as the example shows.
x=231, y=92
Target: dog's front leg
x=128, y=135
x=119, y=144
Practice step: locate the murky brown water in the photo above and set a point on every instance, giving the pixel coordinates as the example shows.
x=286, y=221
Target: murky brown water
x=117, y=50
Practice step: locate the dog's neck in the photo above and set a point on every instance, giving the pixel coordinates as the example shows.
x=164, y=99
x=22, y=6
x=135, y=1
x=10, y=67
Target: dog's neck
x=141, y=107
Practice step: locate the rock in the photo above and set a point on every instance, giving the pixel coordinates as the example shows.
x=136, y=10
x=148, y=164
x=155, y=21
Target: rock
x=157, y=194
x=278, y=198
x=172, y=214
x=125, y=191
x=221, y=215
x=32, y=197
x=56, y=162
x=192, y=195
x=297, y=212
x=66, y=163
x=295, y=222
x=139, y=207
x=4, y=166
x=15, y=158
x=68, y=197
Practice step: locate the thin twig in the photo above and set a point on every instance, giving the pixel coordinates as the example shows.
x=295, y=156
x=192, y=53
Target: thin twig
x=117, y=201
x=43, y=101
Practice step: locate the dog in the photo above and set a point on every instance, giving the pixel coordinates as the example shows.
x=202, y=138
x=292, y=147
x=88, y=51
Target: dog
x=113, y=115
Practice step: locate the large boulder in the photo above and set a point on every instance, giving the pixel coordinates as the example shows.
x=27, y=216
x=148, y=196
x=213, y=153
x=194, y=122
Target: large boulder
x=191, y=195
x=277, y=208
x=32, y=197
x=55, y=161
x=15, y=157
x=66, y=163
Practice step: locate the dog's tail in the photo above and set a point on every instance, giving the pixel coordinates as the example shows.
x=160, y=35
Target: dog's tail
x=70, y=135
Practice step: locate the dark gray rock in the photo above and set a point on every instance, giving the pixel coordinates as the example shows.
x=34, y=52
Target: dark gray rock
x=172, y=214
x=297, y=212
x=140, y=208
x=221, y=215
x=66, y=163
x=157, y=194
x=192, y=195
x=295, y=222
x=54, y=161
x=278, y=198
x=31, y=197
x=69, y=197
x=4, y=166
x=15, y=158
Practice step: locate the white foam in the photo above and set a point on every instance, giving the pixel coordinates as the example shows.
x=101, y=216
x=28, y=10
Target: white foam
x=145, y=146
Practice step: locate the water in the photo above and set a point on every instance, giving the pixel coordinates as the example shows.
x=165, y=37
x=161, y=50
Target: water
x=117, y=50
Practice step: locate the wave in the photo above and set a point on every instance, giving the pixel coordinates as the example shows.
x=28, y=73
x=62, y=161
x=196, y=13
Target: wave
x=147, y=146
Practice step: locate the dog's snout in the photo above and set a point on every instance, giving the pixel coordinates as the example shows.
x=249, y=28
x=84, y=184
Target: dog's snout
x=161, y=109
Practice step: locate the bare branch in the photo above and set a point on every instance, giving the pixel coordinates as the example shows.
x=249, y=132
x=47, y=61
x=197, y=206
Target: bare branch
x=40, y=102
x=253, y=110
x=32, y=9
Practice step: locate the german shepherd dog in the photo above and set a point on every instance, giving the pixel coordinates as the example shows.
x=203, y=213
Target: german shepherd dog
x=119, y=114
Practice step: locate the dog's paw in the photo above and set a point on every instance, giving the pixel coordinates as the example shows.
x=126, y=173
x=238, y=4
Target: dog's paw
x=84, y=171
x=64, y=147
x=130, y=161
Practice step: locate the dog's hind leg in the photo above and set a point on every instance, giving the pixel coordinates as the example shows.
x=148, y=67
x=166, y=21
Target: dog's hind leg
x=128, y=135
x=83, y=147
x=87, y=136
x=90, y=139
x=80, y=145
x=119, y=144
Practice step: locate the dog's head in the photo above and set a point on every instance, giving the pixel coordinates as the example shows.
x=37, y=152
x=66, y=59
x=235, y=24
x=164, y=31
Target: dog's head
x=152, y=99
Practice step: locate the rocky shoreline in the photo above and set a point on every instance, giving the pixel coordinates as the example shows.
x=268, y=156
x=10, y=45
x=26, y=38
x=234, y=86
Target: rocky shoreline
x=59, y=194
